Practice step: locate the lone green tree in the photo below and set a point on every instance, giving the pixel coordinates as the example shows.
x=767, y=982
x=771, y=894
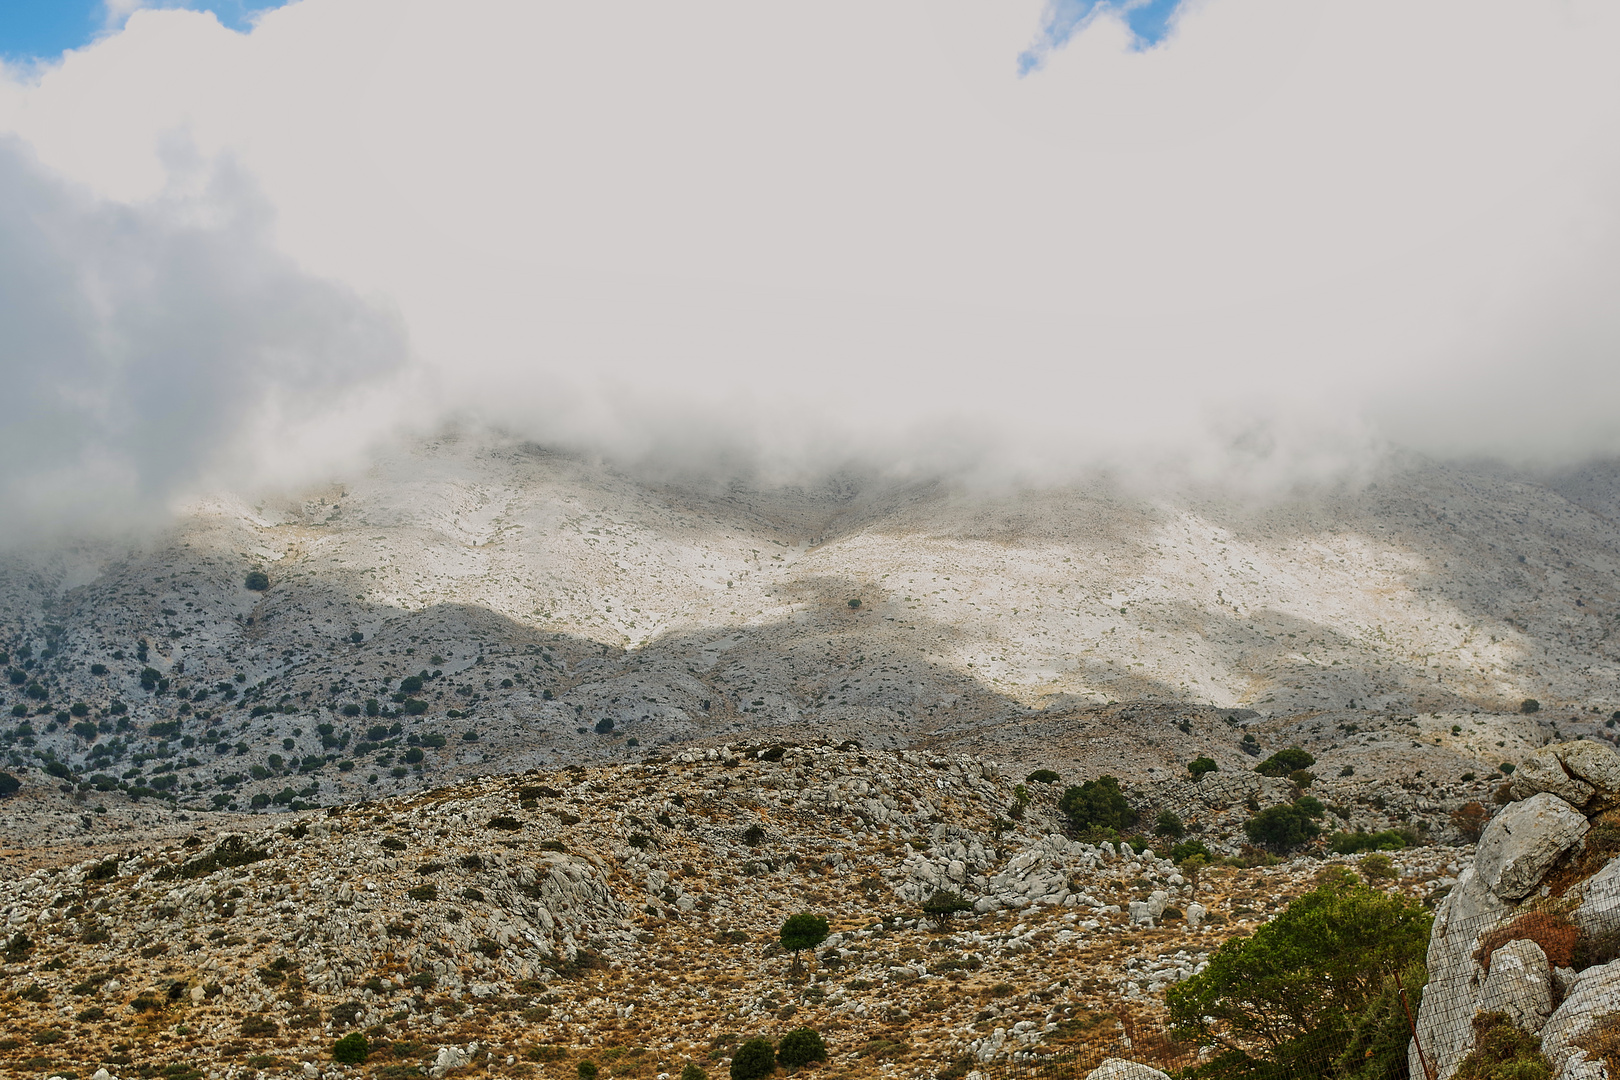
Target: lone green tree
x=1097, y=804
x=1199, y=766
x=1284, y=762
x=754, y=1059
x=803, y=931
x=945, y=903
x=800, y=1047
x=1305, y=984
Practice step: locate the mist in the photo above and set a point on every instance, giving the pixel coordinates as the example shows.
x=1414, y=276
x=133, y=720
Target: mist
x=1274, y=247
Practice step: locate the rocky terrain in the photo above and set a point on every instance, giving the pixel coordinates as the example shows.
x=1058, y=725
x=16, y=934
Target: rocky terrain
x=628, y=915
x=472, y=606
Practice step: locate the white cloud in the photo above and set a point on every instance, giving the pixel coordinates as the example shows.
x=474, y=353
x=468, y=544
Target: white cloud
x=809, y=230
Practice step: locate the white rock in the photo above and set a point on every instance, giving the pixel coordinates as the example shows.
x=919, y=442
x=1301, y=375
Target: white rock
x=1120, y=1069
x=1594, y=995
x=1195, y=914
x=1519, y=984
x=1600, y=901
x=1524, y=840
x=1543, y=771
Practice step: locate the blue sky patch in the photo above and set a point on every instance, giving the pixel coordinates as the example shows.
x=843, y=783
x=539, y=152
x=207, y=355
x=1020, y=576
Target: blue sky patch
x=45, y=29
x=1149, y=21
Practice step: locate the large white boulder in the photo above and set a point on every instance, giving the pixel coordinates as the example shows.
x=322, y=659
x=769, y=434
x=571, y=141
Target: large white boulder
x=1593, y=996
x=1519, y=984
x=1445, y=1017
x=1524, y=840
x=1543, y=771
x=1120, y=1069
x=1599, y=910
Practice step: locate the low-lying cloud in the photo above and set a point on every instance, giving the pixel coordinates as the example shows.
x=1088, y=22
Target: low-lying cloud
x=150, y=350
x=1285, y=237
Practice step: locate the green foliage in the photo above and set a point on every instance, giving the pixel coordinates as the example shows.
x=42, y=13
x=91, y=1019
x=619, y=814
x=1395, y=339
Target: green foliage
x=1284, y=762
x=1381, y=1035
x=1189, y=848
x=1097, y=804
x=1201, y=766
x=801, y=1047
x=230, y=852
x=1042, y=776
x=1349, y=843
x=754, y=1059
x=604, y=725
x=1306, y=985
x=586, y=1070
x=258, y=581
x=945, y=903
x=1378, y=867
x=352, y=1049
x=1503, y=1051
x=1529, y=705
x=692, y=1072
x=8, y=784
x=1282, y=828
x=804, y=931
x=1169, y=824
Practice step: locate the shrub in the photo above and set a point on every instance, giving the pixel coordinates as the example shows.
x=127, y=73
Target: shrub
x=803, y=931
x=352, y=1049
x=586, y=1070
x=1097, y=804
x=1378, y=867
x=945, y=903
x=1201, y=766
x=258, y=581
x=1281, y=828
x=754, y=1059
x=1169, y=824
x=1187, y=849
x=1350, y=843
x=1042, y=776
x=604, y=725
x=1470, y=820
x=1556, y=935
x=8, y=784
x=415, y=706
x=692, y=1072
x=1295, y=992
x=1503, y=1051
x=801, y=1047
x=1284, y=762
x=1529, y=705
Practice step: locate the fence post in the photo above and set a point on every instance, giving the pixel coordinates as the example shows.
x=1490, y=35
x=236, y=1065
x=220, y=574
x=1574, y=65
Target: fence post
x=1423, y=1058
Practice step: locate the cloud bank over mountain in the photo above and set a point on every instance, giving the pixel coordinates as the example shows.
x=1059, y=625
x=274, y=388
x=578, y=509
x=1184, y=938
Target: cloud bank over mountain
x=1279, y=239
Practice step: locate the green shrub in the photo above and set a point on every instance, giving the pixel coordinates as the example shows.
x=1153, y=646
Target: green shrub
x=352, y=1049
x=803, y=931
x=1201, y=766
x=1097, y=804
x=586, y=1070
x=1529, y=705
x=1187, y=849
x=945, y=903
x=1284, y=762
x=754, y=1059
x=1297, y=992
x=1042, y=776
x=1281, y=828
x=801, y=1047
x=1503, y=1051
x=258, y=581
x=1350, y=843
x=692, y=1072
x=1169, y=824
x=8, y=784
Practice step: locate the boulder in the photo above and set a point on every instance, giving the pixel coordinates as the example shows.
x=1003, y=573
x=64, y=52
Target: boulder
x=1543, y=772
x=1599, y=910
x=1120, y=1069
x=1519, y=984
x=1445, y=1016
x=1596, y=764
x=1141, y=913
x=1593, y=996
x=1195, y=914
x=1524, y=840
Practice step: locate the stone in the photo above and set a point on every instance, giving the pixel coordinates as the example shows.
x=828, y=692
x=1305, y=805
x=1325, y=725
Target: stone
x=1543, y=772
x=1195, y=914
x=1444, y=1022
x=449, y=1057
x=1519, y=984
x=1599, y=909
x=1594, y=995
x=1141, y=914
x=1120, y=1069
x=1158, y=902
x=1524, y=840
x=1596, y=764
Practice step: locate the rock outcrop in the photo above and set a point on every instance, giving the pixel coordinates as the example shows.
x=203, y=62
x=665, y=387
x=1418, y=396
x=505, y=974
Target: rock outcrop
x=1523, y=899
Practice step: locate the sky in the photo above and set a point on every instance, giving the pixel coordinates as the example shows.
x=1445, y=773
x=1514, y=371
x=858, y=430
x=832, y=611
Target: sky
x=1253, y=241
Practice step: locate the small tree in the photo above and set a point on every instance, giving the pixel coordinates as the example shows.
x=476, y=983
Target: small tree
x=8, y=784
x=945, y=903
x=1284, y=762
x=803, y=931
x=692, y=1072
x=1281, y=828
x=801, y=1047
x=1529, y=705
x=1097, y=804
x=754, y=1059
x=1201, y=766
x=1043, y=776
x=258, y=581
x=352, y=1049
x=1193, y=866
x=1169, y=824
x=586, y=1070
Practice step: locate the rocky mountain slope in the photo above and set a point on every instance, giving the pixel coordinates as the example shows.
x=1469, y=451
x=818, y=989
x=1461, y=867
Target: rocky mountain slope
x=471, y=606
x=627, y=915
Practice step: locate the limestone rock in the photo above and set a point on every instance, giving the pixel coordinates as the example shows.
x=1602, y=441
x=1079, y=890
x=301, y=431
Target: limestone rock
x=1595, y=995
x=1195, y=914
x=1543, y=771
x=1444, y=1023
x=1120, y=1069
x=1600, y=901
x=1519, y=984
x=1524, y=840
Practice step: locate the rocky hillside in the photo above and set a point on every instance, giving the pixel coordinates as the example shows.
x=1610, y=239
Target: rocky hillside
x=471, y=607
x=627, y=915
